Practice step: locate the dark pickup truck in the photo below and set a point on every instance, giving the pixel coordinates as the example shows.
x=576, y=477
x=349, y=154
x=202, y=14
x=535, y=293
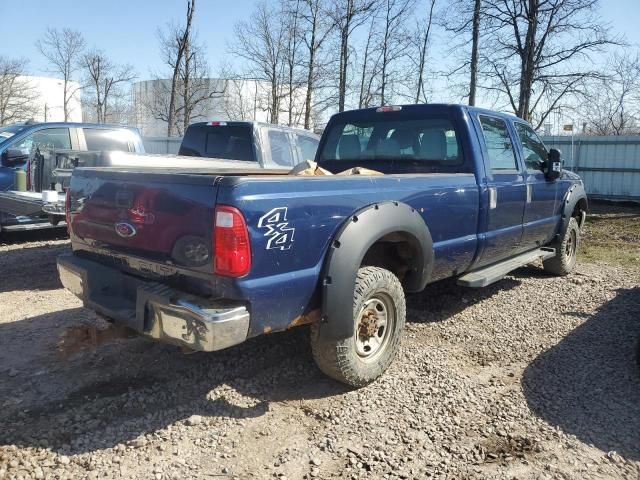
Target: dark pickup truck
x=208, y=258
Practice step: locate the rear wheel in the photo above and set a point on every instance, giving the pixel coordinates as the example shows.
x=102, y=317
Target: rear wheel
x=379, y=312
x=564, y=260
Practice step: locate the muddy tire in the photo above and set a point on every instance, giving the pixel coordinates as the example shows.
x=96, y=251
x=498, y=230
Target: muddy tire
x=564, y=260
x=379, y=312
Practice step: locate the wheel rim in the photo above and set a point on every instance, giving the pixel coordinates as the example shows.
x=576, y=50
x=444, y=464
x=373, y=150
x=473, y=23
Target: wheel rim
x=570, y=248
x=374, y=325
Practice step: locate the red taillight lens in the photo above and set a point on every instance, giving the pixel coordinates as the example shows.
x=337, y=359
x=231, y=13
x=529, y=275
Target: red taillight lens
x=67, y=209
x=231, y=243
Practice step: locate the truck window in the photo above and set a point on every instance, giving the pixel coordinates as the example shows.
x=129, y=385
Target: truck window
x=431, y=142
x=231, y=142
x=103, y=139
x=499, y=145
x=532, y=147
x=308, y=146
x=280, y=145
x=57, y=138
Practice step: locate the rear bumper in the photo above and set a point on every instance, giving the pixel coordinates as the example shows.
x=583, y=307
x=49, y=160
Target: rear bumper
x=153, y=309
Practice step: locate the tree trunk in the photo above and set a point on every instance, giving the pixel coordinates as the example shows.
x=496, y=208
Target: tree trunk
x=527, y=63
x=310, y=74
x=475, y=42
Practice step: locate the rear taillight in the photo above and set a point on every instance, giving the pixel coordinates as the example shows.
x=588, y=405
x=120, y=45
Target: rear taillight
x=67, y=209
x=231, y=245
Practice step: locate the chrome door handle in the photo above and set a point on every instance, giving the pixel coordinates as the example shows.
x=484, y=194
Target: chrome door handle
x=493, y=197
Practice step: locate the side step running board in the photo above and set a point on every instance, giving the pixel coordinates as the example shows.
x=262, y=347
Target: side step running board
x=491, y=274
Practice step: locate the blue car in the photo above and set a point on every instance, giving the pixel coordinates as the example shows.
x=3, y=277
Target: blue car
x=21, y=142
x=419, y=193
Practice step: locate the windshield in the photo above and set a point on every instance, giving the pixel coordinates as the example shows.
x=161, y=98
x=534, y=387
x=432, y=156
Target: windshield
x=8, y=131
x=429, y=140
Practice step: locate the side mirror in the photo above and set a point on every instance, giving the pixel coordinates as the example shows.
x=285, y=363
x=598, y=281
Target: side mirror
x=553, y=166
x=13, y=156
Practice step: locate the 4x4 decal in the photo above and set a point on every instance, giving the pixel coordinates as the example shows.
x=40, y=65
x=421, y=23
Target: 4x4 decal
x=279, y=233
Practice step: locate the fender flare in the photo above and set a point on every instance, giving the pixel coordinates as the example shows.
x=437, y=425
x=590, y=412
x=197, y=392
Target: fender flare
x=575, y=194
x=348, y=248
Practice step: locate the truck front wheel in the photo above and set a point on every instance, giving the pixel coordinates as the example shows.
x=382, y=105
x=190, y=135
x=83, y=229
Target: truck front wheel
x=379, y=312
x=566, y=247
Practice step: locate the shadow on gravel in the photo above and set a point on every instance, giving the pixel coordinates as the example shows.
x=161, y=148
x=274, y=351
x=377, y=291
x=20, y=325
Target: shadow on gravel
x=101, y=398
x=589, y=384
x=16, y=238
x=30, y=268
x=443, y=299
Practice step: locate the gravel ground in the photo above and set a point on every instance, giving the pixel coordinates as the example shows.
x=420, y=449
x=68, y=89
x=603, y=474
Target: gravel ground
x=531, y=378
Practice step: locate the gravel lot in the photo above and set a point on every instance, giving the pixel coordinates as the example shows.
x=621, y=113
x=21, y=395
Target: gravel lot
x=534, y=377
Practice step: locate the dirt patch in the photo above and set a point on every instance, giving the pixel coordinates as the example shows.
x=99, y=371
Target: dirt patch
x=533, y=378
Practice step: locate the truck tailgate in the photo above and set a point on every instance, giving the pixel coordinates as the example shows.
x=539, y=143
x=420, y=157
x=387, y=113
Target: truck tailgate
x=165, y=217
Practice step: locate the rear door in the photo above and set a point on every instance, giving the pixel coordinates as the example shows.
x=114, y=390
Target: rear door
x=506, y=191
x=540, y=214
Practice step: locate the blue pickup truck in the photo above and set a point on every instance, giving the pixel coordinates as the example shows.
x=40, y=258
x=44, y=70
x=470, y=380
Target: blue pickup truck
x=206, y=259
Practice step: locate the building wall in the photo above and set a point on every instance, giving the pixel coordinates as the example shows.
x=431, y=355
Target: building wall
x=49, y=99
x=232, y=99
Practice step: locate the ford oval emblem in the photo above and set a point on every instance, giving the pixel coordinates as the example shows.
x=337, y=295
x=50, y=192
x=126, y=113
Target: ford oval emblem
x=125, y=230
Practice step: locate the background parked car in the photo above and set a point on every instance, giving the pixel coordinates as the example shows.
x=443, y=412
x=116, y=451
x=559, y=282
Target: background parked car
x=27, y=144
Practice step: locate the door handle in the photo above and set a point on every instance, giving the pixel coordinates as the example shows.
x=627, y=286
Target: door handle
x=493, y=198
x=529, y=192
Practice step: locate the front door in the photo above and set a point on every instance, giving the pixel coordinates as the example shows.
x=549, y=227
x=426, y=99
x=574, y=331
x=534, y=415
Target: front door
x=541, y=216
x=505, y=192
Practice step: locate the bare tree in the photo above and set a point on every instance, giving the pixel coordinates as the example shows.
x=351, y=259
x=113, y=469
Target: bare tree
x=539, y=48
x=174, y=43
x=348, y=15
x=612, y=106
x=394, y=40
x=421, y=42
x=106, y=81
x=18, y=97
x=63, y=50
x=465, y=22
x=187, y=94
x=316, y=27
x=260, y=41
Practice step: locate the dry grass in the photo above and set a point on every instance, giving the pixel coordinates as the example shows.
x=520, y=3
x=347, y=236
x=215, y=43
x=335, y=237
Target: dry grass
x=612, y=235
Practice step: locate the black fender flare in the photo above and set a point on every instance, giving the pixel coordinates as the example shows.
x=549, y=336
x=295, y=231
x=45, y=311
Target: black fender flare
x=575, y=194
x=348, y=248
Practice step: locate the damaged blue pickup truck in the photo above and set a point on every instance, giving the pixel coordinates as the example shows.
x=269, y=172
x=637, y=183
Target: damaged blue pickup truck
x=205, y=259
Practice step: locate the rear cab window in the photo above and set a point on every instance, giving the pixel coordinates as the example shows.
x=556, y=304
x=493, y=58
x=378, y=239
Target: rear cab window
x=308, y=147
x=105, y=139
x=280, y=148
x=232, y=142
x=395, y=143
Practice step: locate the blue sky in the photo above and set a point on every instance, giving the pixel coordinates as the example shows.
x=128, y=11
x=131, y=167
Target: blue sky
x=126, y=30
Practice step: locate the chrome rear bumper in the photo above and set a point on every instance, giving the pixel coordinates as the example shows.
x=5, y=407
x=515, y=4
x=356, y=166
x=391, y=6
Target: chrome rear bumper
x=153, y=309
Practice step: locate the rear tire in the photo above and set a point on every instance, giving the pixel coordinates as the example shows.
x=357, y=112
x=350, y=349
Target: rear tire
x=379, y=312
x=564, y=261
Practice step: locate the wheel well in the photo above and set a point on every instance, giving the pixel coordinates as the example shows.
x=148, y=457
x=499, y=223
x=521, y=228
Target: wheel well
x=580, y=211
x=393, y=252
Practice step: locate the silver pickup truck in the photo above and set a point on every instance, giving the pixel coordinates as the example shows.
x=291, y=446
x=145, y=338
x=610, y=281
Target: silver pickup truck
x=47, y=164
